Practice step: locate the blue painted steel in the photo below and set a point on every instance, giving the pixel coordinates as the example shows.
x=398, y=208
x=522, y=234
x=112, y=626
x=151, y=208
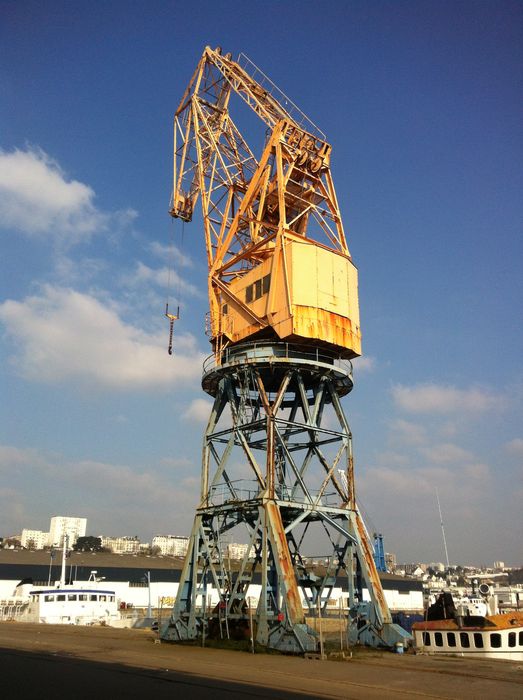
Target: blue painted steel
x=379, y=552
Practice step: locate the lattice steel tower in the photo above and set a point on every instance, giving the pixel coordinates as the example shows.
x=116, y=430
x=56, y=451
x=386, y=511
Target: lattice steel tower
x=284, y=325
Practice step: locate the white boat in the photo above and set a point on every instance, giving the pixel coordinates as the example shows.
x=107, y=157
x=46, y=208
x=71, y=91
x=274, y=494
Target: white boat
x=66, y=603
x=470, y=627
x=72, y=604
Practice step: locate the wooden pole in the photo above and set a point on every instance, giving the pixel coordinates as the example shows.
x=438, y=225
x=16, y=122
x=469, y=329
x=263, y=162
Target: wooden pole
x=251, y=624
x=320, y=628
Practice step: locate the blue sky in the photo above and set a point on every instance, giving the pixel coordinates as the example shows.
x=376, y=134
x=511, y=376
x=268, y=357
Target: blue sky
x=421, y=102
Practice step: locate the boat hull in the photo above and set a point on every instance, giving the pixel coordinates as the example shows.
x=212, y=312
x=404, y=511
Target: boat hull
x=492, y=637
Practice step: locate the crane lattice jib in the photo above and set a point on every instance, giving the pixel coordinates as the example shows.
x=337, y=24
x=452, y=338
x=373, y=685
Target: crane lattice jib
x=279, y=265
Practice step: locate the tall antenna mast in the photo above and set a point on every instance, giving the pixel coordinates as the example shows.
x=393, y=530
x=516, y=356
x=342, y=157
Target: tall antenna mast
x=64, y=557
x=443, y=530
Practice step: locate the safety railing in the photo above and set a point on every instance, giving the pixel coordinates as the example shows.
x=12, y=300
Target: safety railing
x=266, y=351
x=244, y=490
x=294, y=112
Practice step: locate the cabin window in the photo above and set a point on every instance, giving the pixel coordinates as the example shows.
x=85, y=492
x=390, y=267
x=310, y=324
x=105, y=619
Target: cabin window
x=478, y=640
x=521, y=639
x=426, y=639
x=111, y=598
x=512, y=639
x=257, y=289
x=49, y=598
x=82, y=596
x=495, y=640
x=93, y=597
x=464, y=639
x=60, y=597
x=438, y=639
x=71, y=596
x=451, y=639
x=103, y=598
x=225, y=309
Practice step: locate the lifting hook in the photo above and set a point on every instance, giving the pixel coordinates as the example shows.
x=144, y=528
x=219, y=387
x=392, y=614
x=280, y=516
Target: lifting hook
x=172, y=318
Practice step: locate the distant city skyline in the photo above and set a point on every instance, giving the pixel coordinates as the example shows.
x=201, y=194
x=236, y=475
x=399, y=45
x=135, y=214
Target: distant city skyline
x=176, y=545
x=421, y=103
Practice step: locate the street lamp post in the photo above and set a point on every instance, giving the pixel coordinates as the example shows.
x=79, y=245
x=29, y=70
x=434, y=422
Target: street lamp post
x=149, y=611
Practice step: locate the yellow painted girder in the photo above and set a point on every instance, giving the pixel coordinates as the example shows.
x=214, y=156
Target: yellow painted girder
x=258, y=209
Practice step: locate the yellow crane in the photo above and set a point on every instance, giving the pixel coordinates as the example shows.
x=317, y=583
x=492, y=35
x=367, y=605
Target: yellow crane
x=284, y=324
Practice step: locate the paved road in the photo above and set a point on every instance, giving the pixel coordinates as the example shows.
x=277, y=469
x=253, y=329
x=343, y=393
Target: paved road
x=28, y=675
x=48, y=661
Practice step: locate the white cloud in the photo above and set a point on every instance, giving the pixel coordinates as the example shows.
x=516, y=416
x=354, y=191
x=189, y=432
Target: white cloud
x=178, y=463
x=399, y=481
x=163, y=277
x=403, y=501
x=198, y=410
x=390, y=458
x=408, y=474
x=478, y=471
x=36, y=198
x=70, y=271
x=364, y=364
x=119, y=419
x=447, y=453
x=170, y=253
x=448, y=429
x=405, y=432
x=14, y=457
x=105, y=493
x=66, y=336
x=515, y=447
x=125, y=483
x=468, y=485
x=435, y=398
x=13, y=512
x=15, y=463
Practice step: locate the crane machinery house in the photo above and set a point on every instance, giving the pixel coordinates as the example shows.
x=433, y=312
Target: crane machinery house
x=303, y=292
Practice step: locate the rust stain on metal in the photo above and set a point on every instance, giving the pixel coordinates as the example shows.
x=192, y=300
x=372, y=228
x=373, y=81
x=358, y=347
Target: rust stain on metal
x=371, y=567
x=294, y=605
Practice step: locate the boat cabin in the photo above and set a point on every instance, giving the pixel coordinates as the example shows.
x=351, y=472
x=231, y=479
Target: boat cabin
x=72, y=605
